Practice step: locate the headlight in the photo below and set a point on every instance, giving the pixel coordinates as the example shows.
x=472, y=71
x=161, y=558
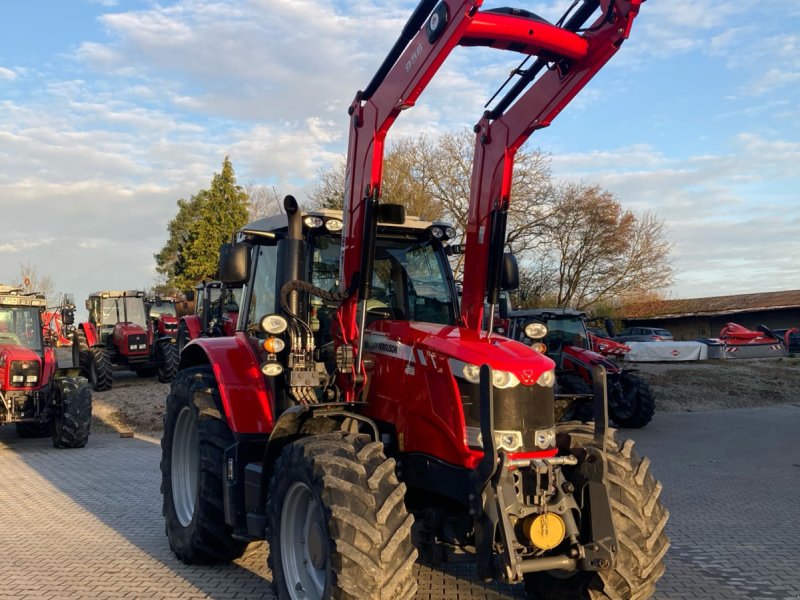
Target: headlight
x=500, y=379
x=273, y=324
x=535, y=330
x=547, y=379
x=472, y=373
x=333, y=225
x=312, y=221
x=504, y=379
x=271, y=369
x=17, y=379
x=539, y=347
x=437, y=232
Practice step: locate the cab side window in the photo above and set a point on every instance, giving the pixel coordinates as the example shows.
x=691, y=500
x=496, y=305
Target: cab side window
x=263, y=295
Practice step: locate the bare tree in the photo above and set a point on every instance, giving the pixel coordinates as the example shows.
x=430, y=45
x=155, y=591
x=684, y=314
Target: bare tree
x=29, y=280
x=603, y=251
x=263, y=201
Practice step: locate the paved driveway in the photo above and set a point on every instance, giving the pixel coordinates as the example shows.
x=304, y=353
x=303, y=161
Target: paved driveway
x=87, y=523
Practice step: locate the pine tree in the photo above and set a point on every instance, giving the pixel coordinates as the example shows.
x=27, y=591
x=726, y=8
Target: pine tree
x=202, y=225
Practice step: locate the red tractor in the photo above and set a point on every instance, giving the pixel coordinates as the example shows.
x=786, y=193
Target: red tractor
x=360, y=415
x=39, y=398
x=119, y=333
x=163, y=315
x=216, y=310
x=576, y=352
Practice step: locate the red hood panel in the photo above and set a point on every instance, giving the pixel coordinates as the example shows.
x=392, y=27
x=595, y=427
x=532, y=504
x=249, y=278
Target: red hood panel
x=16, y=352
x=461, y=344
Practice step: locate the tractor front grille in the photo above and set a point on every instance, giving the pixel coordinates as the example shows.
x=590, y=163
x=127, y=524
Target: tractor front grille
x=24, y=373
x=137, y=342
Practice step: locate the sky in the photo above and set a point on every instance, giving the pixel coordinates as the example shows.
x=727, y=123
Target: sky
x=112, y=110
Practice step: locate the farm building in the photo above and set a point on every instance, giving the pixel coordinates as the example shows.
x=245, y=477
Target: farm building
x=704, y=317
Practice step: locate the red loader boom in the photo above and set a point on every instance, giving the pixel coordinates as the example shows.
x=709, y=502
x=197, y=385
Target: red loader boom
x=566, y=61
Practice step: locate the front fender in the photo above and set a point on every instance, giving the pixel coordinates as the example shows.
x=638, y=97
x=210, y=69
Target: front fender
x=90, y=331
x=246, y=398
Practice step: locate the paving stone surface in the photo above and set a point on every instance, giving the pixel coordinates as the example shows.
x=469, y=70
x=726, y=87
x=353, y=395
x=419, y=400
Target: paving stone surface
x=87, y=523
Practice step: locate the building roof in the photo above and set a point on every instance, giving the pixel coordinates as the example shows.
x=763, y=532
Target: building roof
x=713, y=305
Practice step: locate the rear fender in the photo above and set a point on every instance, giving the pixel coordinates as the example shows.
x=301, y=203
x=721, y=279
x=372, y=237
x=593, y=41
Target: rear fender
x=193, y=326
x=246, y=399
x=90, y=331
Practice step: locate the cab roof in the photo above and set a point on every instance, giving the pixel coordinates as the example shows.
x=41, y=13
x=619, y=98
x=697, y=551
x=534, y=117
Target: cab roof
x=278, y=222
x=13, y=296
x=117, y=294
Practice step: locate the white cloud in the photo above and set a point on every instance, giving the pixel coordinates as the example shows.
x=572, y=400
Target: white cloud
x=7, y=73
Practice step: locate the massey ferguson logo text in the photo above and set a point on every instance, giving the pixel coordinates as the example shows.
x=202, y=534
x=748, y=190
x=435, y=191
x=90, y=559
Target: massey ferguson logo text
x=381, y=347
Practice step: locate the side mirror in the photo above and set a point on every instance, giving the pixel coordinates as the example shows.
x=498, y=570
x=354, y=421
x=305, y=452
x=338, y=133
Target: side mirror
x=68, y=317
x=234, y=263
x=189, y=295
x=509, y=277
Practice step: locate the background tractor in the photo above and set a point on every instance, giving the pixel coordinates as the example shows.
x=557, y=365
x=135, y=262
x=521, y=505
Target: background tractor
x=576, y=352
x=361, y=416
x=216, y=310
x=163, y=315
x=39, y=398
x=119, y=333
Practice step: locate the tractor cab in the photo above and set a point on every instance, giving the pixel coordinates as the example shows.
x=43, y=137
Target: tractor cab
x=108, y=310
x=21, y=320
x=163, y=315
x=411, y=282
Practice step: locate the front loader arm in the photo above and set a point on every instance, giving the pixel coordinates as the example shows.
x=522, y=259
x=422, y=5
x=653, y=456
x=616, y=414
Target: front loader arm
x=428, y=38
x=570, y=56
x=502, y=131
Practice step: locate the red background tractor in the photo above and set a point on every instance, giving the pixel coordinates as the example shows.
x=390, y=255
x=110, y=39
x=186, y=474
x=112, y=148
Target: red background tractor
x=119, y=333
x=35, y=395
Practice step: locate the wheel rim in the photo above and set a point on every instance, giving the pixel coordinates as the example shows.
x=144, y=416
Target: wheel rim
x=304, y=544
x=185, y=465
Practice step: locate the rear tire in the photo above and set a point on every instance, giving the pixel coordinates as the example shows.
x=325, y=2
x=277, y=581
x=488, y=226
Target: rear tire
x=639, y=520
x=80, y=352
x=192, y=460
x=100, y=373
x=169, y=357
x=73, y=414
x=338, y=525
x=637, y=405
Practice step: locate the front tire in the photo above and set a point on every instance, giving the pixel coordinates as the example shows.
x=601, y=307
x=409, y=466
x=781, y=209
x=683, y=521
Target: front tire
x=338, y=525
x=192, y=458
x=100, y=373
x=578, y=410
x=73, y=414
x=80, y=352
x=169, y=357
x=636, y=407
x=639, y=521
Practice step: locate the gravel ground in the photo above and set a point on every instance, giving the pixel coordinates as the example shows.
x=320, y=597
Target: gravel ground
x=137, y=405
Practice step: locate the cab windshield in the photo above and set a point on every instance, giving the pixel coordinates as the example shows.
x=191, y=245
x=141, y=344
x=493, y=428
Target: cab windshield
x=124, y=309
x=21, y=326
x=565, y=332
x=160, y=310
x=409, y=282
